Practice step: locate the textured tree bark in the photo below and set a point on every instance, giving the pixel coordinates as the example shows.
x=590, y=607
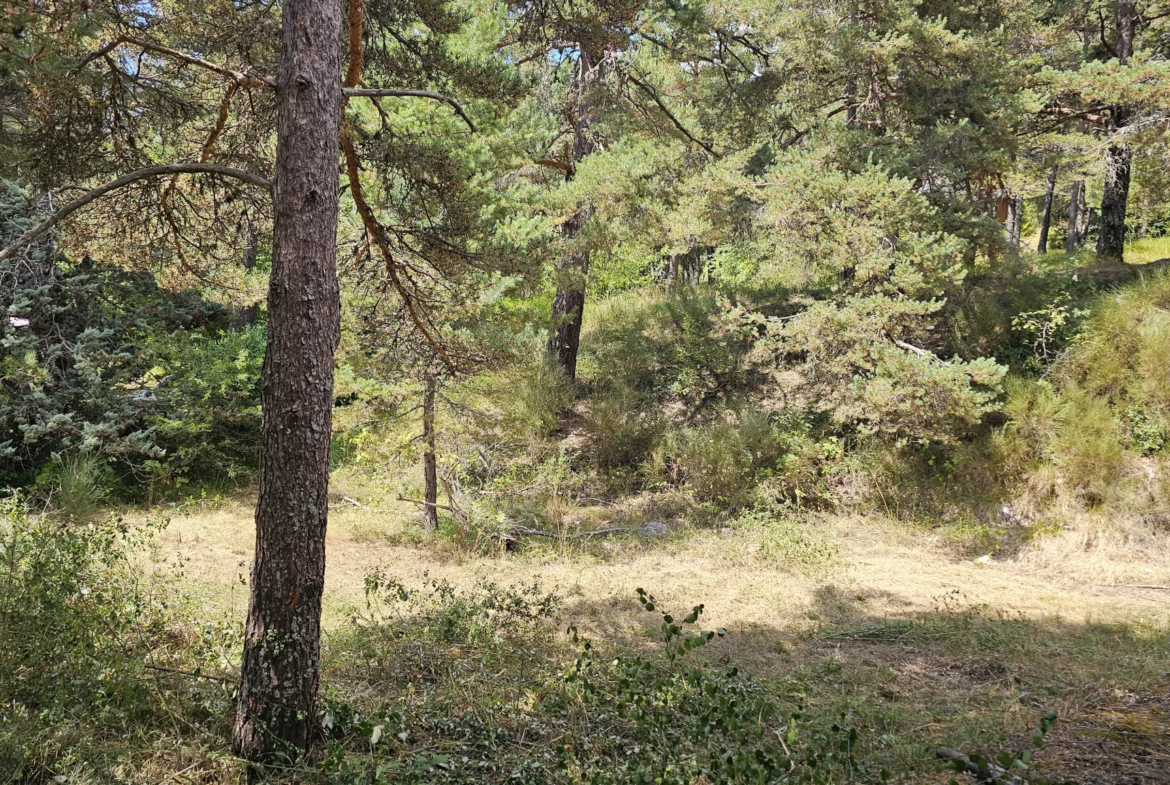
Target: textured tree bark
x=1118, y=158
x=278, y=683
x=1046, y=215
x=1072, y=240
x=430, y=470
x=1015, y=218
x=1111, y=236
x=573, y=269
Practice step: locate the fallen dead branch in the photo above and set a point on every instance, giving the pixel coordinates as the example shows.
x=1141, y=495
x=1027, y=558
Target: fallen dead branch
x=361, y=506
x=525, y=531
x=988, y=774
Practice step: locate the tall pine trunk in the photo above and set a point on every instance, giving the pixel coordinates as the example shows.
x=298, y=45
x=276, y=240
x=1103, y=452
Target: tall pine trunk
x=573, y=269
x=1046, y=215
x=278, y=684
x=1073, y=240
x=430, y=469
x=1118, y=158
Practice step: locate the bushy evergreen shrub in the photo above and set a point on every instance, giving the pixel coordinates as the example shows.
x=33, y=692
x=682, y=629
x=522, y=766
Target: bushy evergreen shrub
x=101, y=362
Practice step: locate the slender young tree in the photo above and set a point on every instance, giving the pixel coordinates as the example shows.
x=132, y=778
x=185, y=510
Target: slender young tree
x=1046, y=214
x=430, y=469
x=573, y=268
x=1073, y=238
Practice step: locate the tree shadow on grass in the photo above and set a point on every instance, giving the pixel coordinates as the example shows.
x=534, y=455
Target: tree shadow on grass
x=962, y=675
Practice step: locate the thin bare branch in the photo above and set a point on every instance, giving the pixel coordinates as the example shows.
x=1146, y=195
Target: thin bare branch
x=920, y=352
x=377, y=233
x=243, y=79
x=650, y=91
x=127, y=179
x=378, y=92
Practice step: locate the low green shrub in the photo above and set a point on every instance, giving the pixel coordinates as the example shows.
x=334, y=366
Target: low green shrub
x=74, y=626
x=532, y=398
x=78, y=483
x=1124, y=350
x=501, y=705
x=474, y=617
x=622, y=432
x=723, y=461
x=788, y=540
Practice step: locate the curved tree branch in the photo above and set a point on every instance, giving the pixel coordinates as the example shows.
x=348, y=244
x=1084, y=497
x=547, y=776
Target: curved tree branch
x=127, y=179
x=377, y=233
x=377, y=92
x=246, y=80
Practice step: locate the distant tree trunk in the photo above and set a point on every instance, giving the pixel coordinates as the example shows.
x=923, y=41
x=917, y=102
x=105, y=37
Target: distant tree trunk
x=1015, y=218
x=1074, y=218
x=1118, y=158
x=573, y=269
x=245, y=315
x=1083, y=215
x=672, y=273
x=1046, y=215
x=851, y=85
x=280, y=667
x=430, y=472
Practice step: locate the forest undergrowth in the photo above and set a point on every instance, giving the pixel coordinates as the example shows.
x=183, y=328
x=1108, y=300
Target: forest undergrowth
x=874, y=601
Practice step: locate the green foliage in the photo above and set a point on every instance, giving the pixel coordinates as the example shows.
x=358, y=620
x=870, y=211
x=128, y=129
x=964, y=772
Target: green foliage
x=788, y=540
x=533, y=398
x=681, y=723
x=73, y=619
x=723, y=461
x=474, y=617
x=1125, y=348
x=1013, y=766
x=1050, y=329
x=687, y=348
x=206, y=395
x=111, y=366
x=78, y=483
x=878, y=264
x=622, y=432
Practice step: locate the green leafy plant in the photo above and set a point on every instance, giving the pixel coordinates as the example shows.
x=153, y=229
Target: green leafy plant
x=1005, y=767
x=74, y=626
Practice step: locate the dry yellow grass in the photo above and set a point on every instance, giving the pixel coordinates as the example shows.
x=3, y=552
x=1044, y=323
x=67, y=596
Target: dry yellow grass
x=1074, y=575
x=897, y=629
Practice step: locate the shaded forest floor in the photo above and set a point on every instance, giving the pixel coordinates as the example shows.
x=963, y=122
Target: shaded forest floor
x=904, y=630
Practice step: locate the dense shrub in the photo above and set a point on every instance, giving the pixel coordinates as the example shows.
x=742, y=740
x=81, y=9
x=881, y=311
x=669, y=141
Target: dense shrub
x=205, y=393
x=101, y=361
x=688, y=348
x=73, y=621
x=723, y=461
x=622, y=431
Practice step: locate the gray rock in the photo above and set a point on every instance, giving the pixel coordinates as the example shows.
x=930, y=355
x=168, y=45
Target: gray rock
x=653, y=529
x=1008, y=517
